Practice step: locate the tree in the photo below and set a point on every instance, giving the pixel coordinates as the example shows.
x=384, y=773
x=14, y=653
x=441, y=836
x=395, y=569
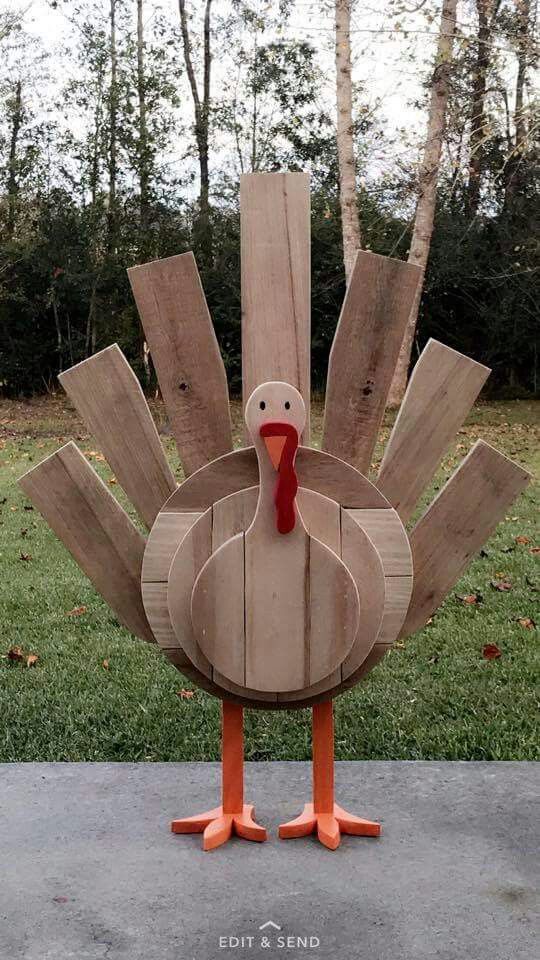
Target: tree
x=201, y=106
x=427, y=185
x=345, y=137
x=487, y=12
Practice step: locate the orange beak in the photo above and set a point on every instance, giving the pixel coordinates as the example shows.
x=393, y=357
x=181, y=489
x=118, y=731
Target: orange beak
x=275, y=446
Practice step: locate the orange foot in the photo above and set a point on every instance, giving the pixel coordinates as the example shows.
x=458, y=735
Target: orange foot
x=218, y=827
x=329, y=826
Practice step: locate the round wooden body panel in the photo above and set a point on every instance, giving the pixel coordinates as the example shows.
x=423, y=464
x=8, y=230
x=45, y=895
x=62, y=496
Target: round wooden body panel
x=370, y=539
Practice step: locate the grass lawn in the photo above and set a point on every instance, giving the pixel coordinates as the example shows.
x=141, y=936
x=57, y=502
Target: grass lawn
x=95, y=693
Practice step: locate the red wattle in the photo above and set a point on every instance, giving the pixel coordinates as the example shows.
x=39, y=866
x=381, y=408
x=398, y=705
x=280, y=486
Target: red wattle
x=287, y=481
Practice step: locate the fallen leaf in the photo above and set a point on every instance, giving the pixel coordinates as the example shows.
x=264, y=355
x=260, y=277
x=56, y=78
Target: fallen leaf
x=526, y=622
x=399, y=645
x=25, y=556
x=105, y=664
x=76, y=612
x=535, y=549
x=15, y=653
x=522, y=539
x=186, y=694
x=501, y=585
x=31, y=659
x=113, y=480
x=491, y=652
x=470, y=598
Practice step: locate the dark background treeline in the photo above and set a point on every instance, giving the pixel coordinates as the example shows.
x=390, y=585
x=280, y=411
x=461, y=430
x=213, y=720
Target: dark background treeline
x=78, y=206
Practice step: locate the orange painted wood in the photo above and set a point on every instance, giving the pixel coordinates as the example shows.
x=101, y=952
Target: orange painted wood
x=323, y=757
x=364, y=354
x=232, y=733
x=186, y=356
x=276, y=281
x=95, y=529
x=109, y=398
x=442, y=389
x=457, y=524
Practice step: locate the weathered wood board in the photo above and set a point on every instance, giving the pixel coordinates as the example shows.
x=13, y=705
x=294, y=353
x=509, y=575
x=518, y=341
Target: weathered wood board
x=316, y=471
x=457, y=524
x=276, y=281
x=442, y=389
x=186, y=356
x=364, y=354
x=93, y=526
x=109, y=398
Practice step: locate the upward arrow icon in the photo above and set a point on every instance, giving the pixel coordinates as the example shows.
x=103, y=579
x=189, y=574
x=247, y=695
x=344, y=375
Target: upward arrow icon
x=269, y=923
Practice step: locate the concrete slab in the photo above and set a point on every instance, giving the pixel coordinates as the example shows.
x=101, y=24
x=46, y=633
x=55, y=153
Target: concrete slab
x=89, y=869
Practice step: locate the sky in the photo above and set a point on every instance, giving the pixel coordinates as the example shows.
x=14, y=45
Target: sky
x=392, y=53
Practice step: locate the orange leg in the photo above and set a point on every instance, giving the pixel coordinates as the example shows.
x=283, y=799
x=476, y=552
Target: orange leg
x=324, y=816
x=233, y=816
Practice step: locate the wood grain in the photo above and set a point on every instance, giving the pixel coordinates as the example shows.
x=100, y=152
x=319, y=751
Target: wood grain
x=109, y=398
x=189, y=559
x=94, y=528
x=364, y=353
x=235, y=471
x=186, y=356
x=166, y=536
x=389, y=538
x=457, y=524
x=442, y=389
x=276, y=281
x=363, y=560
x=217, y=610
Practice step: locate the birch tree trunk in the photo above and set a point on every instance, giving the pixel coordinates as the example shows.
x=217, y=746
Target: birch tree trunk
x=427, y=186
x=345, y=145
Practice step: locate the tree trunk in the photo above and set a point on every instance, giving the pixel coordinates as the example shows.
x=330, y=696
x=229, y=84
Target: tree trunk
x=427, y=185
x=486, y=11
x=202, y=115
x=144, y=164
x=517, y=148
x=350, y=224
x=13, y=181
x=113, y=119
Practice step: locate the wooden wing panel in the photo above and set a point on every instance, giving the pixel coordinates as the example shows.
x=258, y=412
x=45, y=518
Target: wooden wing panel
x=457, y=524
x=109, y=398
x=442, y=389
x=186, y=356
x=276, y=281
x=364, y=354
x=95, y=529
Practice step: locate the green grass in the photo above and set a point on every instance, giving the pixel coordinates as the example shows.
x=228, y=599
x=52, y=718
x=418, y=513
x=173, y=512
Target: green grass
x=435, y=698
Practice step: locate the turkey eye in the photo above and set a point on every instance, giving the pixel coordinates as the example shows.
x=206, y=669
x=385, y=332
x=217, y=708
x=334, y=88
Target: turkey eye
x=262, y=405
x=287, y=405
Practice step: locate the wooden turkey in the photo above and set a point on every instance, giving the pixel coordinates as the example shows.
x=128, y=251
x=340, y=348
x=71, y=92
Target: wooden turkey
x=277, y=575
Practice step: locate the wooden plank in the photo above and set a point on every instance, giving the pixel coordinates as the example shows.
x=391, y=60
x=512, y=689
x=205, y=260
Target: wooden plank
x=93, y=526
x=109, y=398
x=186, y=356
x=364, y=354
x=316, y=471
x=217, y=610
x=442, y=389
x=364, y=562
x=389, y=538
x=457, y=524
x=166, y=536
x=189, y=559
x=398, y=591
x=276, y=281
